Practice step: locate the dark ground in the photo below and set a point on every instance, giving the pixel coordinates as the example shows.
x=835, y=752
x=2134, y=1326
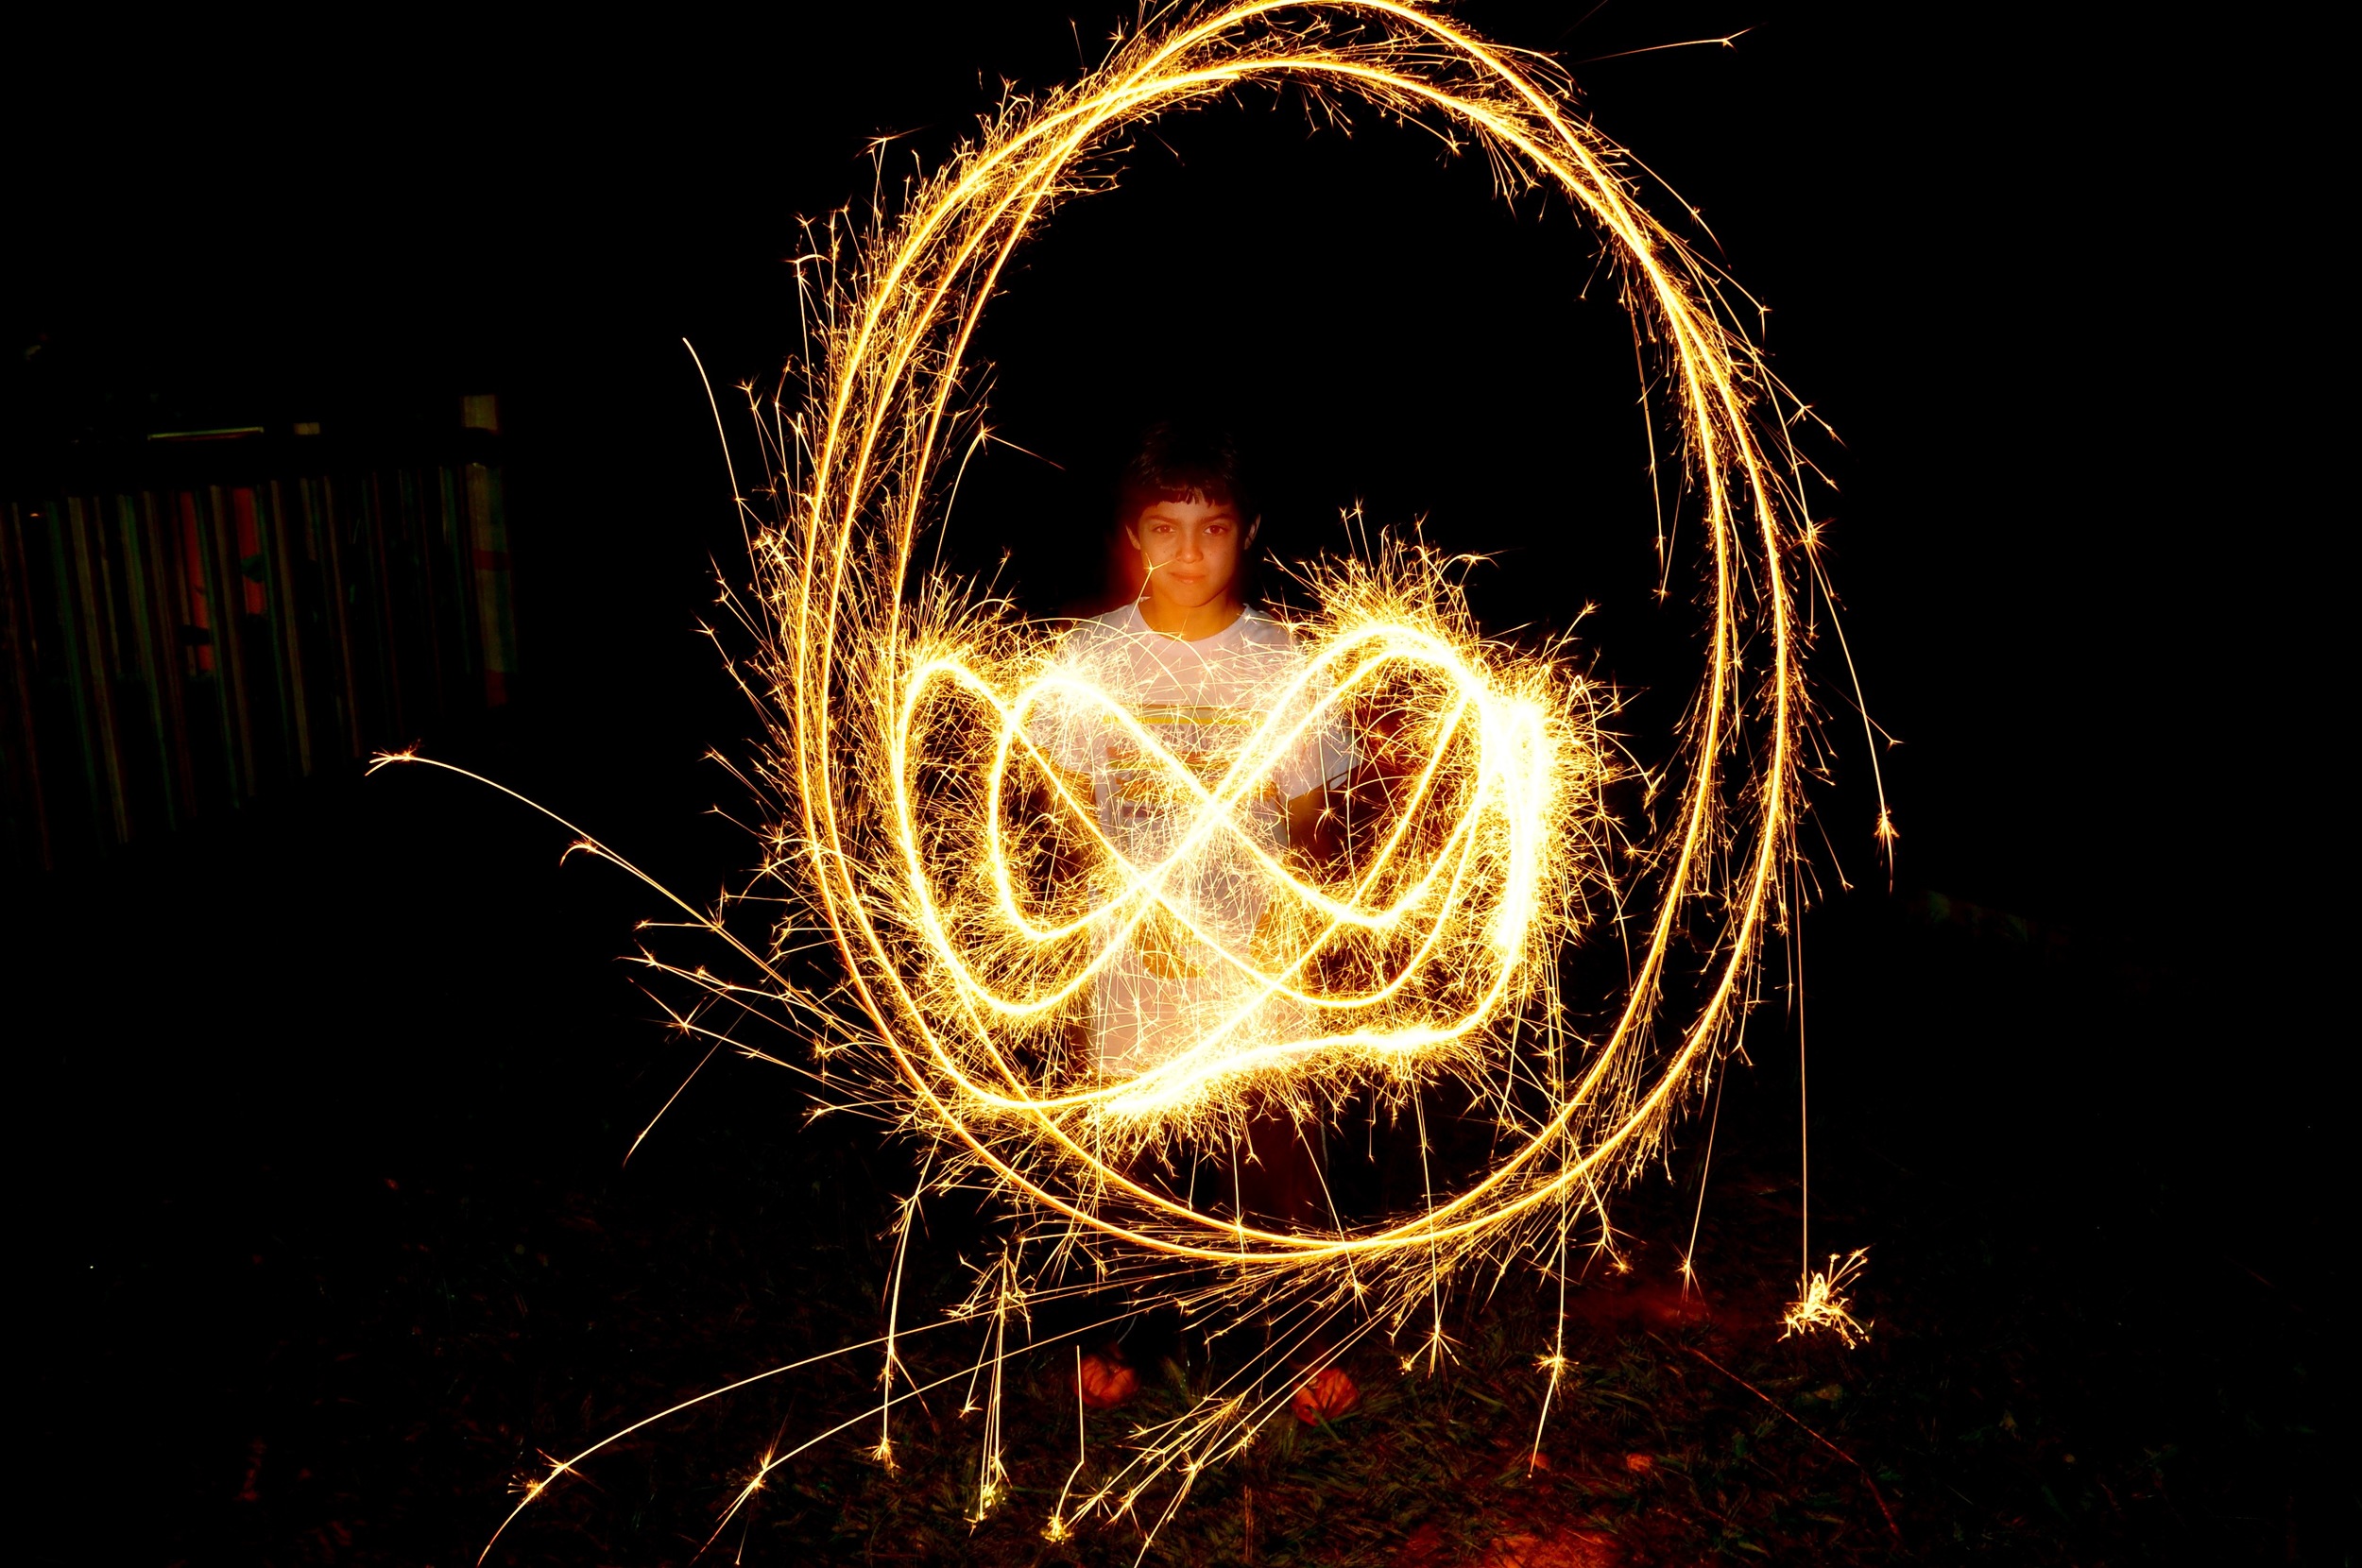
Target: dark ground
x=322, y=1109
x=351, y=1246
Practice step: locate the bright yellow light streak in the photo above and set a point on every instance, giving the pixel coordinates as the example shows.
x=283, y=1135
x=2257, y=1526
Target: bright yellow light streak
x=858, y=651
x=901, y=712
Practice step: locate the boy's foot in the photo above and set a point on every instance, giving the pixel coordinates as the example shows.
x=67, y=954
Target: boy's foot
x=1106, y=1380
x=1324, y=1396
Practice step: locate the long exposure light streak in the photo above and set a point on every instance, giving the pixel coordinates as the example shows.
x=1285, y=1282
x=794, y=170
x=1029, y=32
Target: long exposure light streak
x=967, y=898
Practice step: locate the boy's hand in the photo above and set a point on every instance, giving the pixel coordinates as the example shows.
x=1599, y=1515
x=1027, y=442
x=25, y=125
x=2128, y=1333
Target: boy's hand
x=1161, y=941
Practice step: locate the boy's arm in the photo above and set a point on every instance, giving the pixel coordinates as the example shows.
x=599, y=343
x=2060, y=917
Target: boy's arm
x=1313, y=828
x=1320, y=821
x=1080, y=791
x=1046, y=813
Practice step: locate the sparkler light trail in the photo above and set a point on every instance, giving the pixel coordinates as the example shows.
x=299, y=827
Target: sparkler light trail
x=967, y=898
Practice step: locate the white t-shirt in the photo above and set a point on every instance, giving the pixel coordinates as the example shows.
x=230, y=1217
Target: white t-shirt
x=1168, y=987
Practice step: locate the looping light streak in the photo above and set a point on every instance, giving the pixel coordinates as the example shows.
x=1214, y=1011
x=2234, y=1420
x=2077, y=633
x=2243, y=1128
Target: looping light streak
x=966, y=898
x=858, y=648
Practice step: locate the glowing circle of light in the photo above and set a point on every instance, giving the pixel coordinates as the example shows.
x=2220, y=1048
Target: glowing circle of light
x=852, y=647
x=899, y=709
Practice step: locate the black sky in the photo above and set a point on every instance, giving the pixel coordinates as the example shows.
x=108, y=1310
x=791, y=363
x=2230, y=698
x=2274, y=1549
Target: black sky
x=2048, y=276
x=2079, y=523
x=2068, y=528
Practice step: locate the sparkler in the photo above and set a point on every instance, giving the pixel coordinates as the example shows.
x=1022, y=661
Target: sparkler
x=966, y=896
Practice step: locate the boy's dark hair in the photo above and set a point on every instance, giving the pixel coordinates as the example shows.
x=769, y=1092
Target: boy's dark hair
x=1172, y=461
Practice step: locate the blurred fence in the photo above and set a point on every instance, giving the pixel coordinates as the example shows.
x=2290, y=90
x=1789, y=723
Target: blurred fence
x=174, y=649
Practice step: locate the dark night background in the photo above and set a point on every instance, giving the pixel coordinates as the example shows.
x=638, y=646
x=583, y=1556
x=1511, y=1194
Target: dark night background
x=2042, y=275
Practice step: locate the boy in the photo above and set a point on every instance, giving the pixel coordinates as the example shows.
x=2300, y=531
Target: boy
x=1200, y=672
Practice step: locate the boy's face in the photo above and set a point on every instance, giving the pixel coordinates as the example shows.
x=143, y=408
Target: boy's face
x=1192, y=550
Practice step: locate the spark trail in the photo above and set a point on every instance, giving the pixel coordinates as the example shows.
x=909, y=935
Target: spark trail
x=965, y=894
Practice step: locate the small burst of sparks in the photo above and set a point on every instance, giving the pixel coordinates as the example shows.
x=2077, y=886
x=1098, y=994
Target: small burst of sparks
x=1823, y=1304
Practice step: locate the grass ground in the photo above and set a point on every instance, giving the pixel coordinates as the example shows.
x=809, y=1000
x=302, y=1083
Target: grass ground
x=403, y=1368
x=310, y=1306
